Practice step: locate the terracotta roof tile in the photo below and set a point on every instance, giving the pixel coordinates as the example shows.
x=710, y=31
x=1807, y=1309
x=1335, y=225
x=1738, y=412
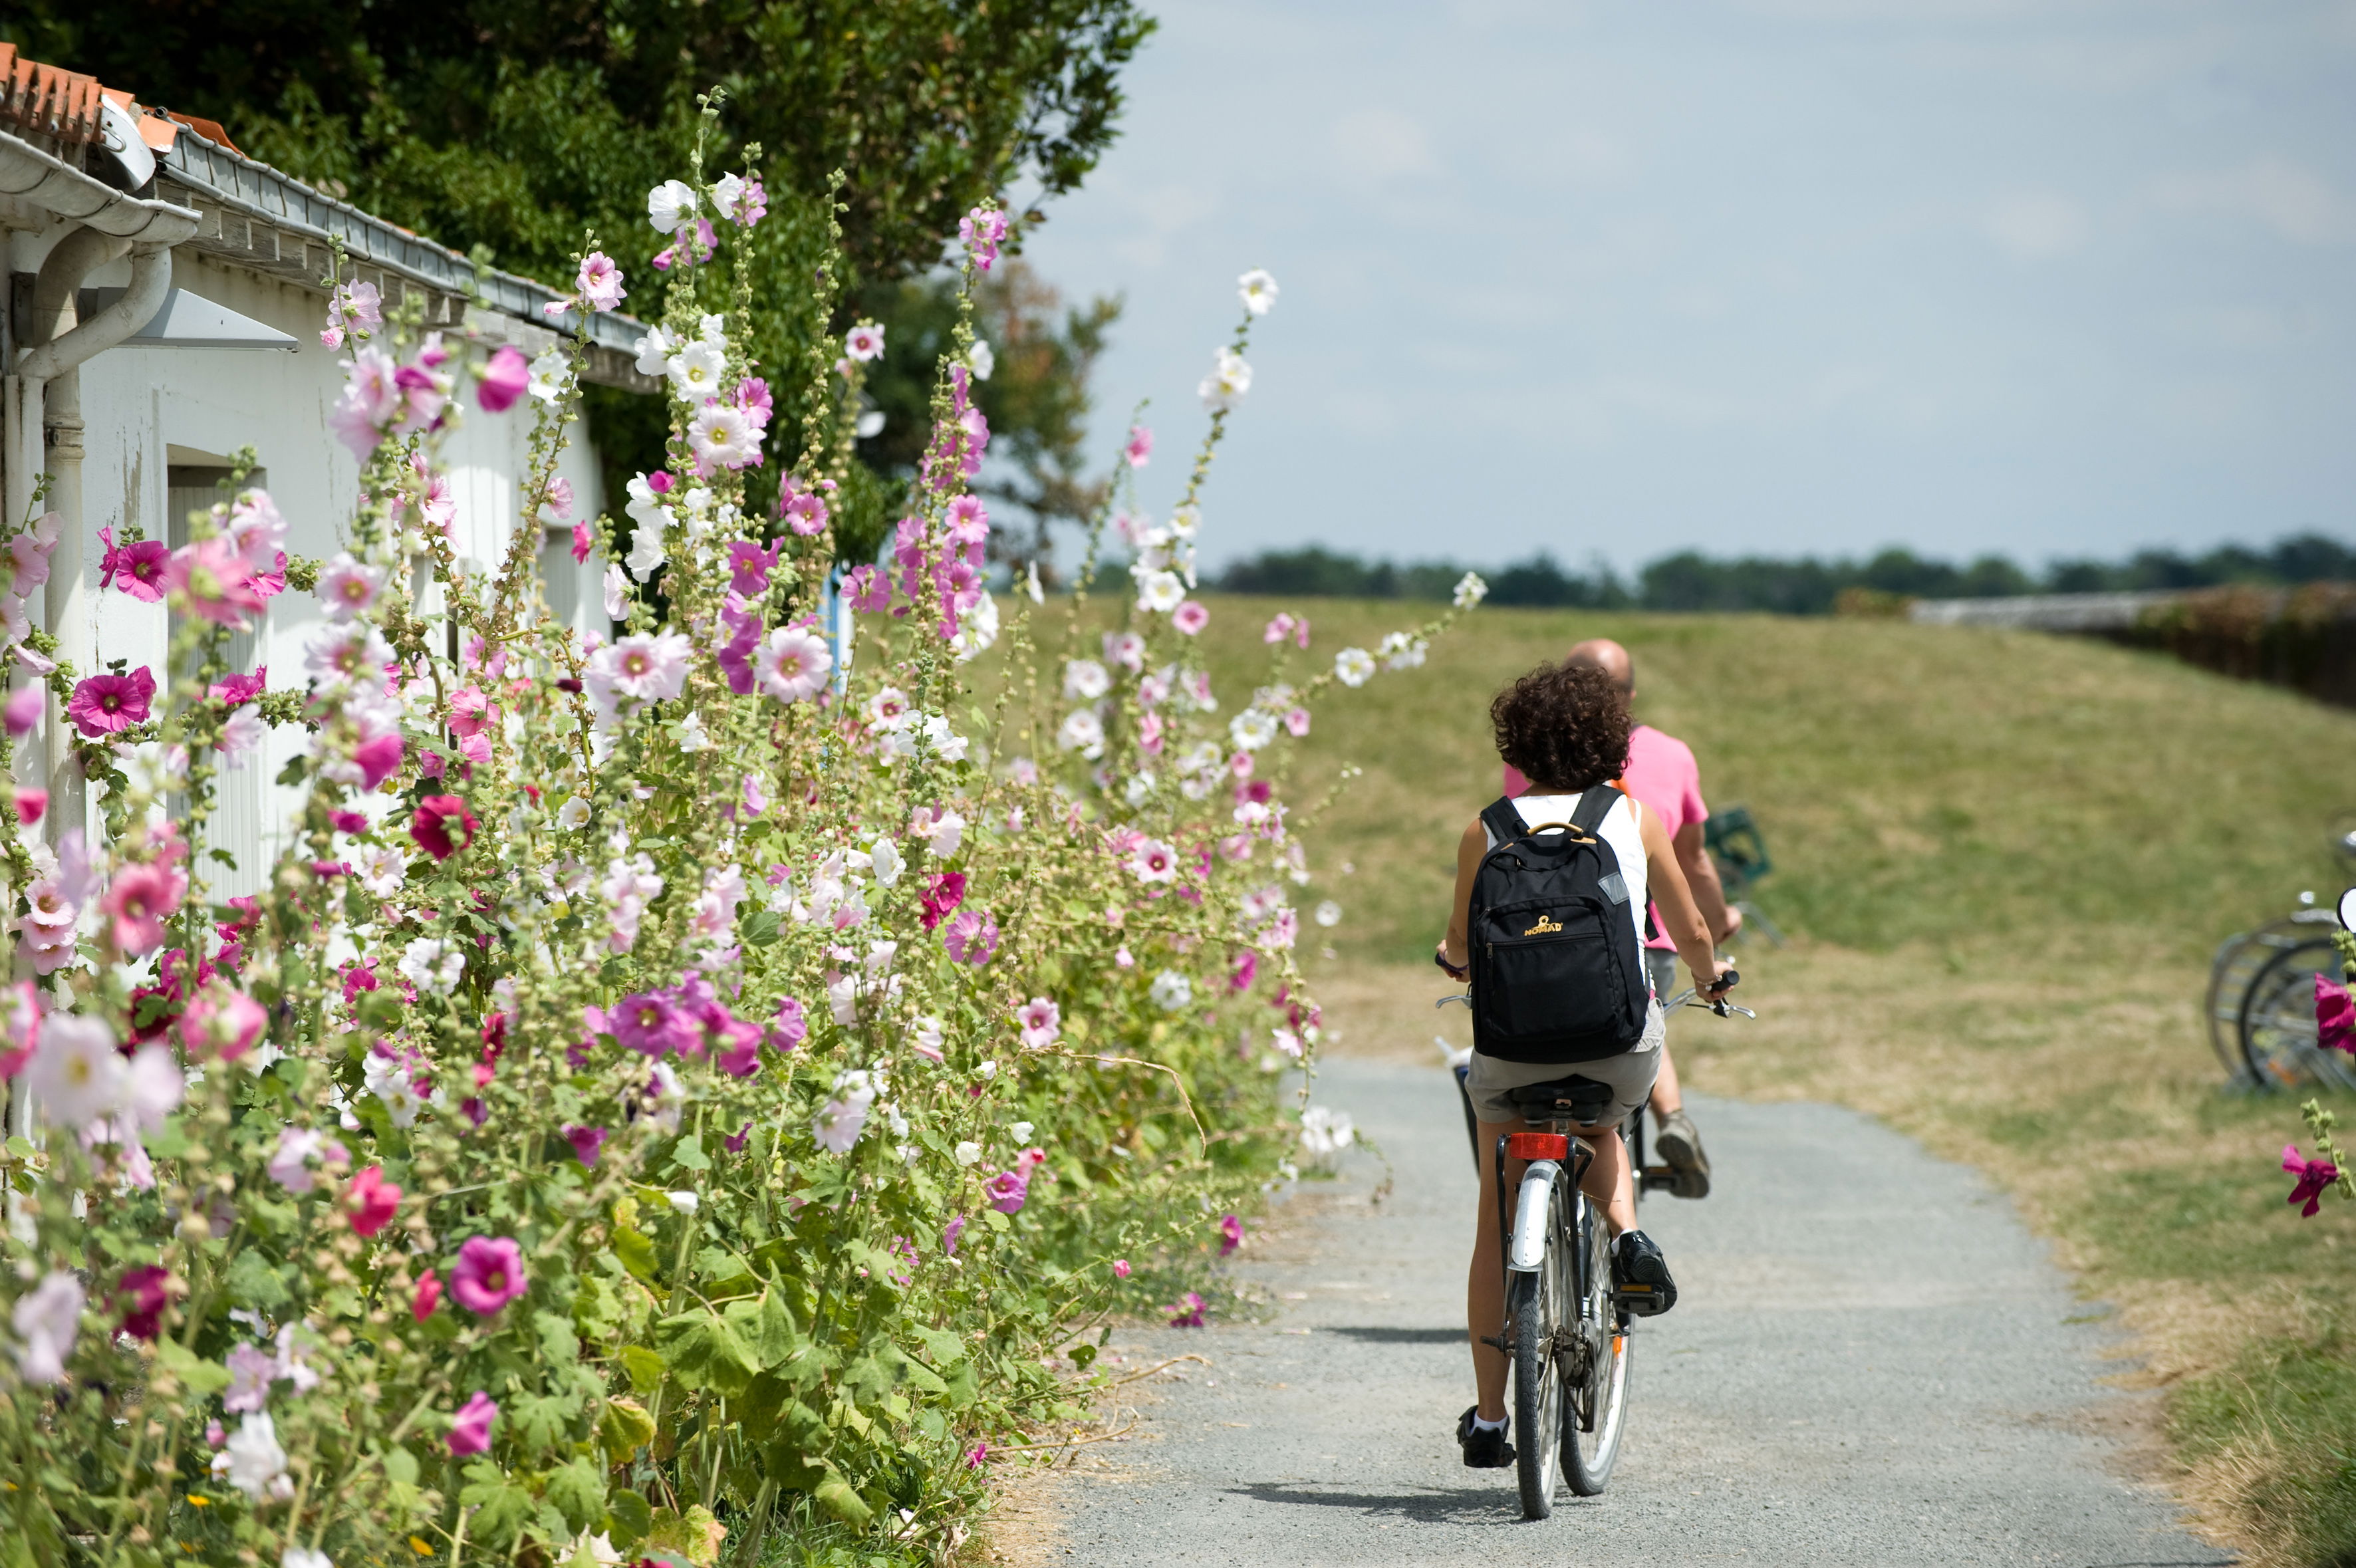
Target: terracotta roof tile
x=47, y=100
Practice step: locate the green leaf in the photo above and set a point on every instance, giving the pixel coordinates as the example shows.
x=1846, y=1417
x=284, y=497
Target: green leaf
x=623, y=1428
x=761, y=930
x=939, y=1344
x=688, y=1155
x=834, y=1494
x=501, y=1507
x=629, y=1515
x=645, y=1367
x=558, y=1343
x=198, y=1375
x=292, y=773
x=254, y=1283
x=401, y=1465
x=775, y=1340
x=541, y=1420
x=578, y=1492
x=635, y=1248
x=704, y=1351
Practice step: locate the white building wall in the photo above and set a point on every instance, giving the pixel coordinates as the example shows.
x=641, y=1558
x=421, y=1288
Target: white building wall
x=147, y=410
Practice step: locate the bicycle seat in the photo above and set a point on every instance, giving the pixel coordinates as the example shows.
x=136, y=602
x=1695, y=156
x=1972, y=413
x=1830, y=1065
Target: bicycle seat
x=1580, y=1101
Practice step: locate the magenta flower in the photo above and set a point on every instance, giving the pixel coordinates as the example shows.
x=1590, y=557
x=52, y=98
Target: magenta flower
x=585, y=1142
x=505, y=378
x=377, y=759
x=1186, y=1312
x=442, y=825
x=373, y=1201
x=867, y=589
x=470, y=1429
x=942, y=896
x=649, y=1023
x=137, y=567
x=792, y=1027
x=1231, y=1234
x=108, y=705
x=141, y=1297
x=214, y=581
x=1190, y=617
x=488, y=1275
x=949, y=1234
x=2334, y=1016
x=1247, y=969
x=805, y=515
x=750, y=566
x=1140, y=450
x=25, y=711
x=1120, y=1268
x=2315, y=1178
x=971, y=937
x=140, y=898
x=1008, y=1190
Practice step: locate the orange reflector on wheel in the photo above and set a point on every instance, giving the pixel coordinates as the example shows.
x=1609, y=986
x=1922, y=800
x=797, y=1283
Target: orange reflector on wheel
x=1538, y=1145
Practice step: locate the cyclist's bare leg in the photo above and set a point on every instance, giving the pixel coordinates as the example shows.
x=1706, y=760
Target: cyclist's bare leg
x=1668, y=1099
x=1607, y=1182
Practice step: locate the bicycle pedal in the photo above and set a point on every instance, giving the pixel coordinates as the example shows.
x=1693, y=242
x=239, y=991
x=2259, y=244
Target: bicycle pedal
x=1497, y=1342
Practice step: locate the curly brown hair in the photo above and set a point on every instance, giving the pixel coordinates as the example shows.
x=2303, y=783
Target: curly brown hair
x=1565, y=726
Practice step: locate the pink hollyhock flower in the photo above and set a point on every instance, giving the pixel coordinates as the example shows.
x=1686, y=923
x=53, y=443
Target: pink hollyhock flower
x=371, y=399
x=376, y=759
x=470, y=1429
x=442, y=826
x=980, y=1452
x=949, y=1234
x=1007, y=1191
x=583, y=542
x=867, y=589
x=2315, y=1178
x=142, y=1296
x=140, y=898
x=488, y=1275
x=749, y=566
x=1120, y=1268
x=864, y=342
x=1190, y=617
x=942, y=896
x=585, y=1142
x=239, y=690
x=650, y=1023
x=2334, y=1016
x=137, y=568
x=600, y=281
x=224, y=1027
x=214, y=581
x=428, y=1296
x=971, y=937
x=470, y=711
x=505, y=378
x=108, y=705
x=1150, y=735
x=1140, y=450
x=1186, y=1312
x=792, y=664
x=30, y=805
x=806, y=515
x=1296, y=723
x=751, y=396
x=1231, y=1234
x=1040, y=1021
x=23, y=711
x=792, y=1027
x=373, y=1201
x=981, y=231
x=1247, y=969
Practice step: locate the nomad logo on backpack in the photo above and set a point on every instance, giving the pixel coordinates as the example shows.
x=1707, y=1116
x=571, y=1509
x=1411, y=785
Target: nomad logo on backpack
x=1555, y=973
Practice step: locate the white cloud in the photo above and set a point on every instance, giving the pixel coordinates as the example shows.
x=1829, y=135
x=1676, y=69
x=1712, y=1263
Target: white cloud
x=1373, y=145
x=2295, y=202
x=2034, y=225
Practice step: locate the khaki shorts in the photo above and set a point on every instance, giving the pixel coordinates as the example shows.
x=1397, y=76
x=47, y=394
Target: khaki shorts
x=1661, y=964
x=1630, y=1074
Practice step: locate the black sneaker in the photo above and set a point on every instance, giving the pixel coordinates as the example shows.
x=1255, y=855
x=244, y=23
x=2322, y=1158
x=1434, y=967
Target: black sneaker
x=1641, y=1275
x=1680, y=1145
x=1482, y=1450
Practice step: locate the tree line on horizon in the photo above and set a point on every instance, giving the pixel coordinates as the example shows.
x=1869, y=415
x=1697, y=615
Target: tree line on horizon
x=1690, y=580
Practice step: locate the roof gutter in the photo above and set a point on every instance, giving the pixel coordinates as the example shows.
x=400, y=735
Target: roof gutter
x=28, y=174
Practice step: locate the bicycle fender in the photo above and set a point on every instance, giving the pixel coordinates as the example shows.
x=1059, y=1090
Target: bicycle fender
x=1529, y=1239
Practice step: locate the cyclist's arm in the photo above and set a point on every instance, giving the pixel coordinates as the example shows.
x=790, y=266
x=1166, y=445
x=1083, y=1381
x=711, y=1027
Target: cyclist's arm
x=1679, y=918
x=1701, y=881
x=1457, y=948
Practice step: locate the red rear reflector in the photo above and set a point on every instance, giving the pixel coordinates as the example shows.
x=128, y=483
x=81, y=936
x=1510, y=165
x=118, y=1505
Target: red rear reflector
x=1538, y=1145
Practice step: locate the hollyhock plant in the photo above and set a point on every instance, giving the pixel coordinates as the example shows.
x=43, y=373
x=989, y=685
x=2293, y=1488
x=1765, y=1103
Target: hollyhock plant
x=442, y=825
x=470, y=1429
x=135, y=566
x=503, y=380
x=371, y=1201
x=2334, y=1016
x=2315, y=1178
x=109, y=704
x=488, y=1275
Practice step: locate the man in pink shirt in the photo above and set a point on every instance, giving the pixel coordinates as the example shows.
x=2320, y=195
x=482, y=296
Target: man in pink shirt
x=1663, y=778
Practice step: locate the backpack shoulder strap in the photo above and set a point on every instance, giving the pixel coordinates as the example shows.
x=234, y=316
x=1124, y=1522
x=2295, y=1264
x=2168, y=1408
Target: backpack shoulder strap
x=1504, y=820
x=1593, y=807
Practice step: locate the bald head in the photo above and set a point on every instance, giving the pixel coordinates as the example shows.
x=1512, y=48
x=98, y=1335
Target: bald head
x=1603, y=653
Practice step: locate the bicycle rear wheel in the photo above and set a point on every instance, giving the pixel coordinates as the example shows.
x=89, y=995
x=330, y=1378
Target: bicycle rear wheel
x=1597, y=1405
x=2277, y=1020
x=1542, y=1303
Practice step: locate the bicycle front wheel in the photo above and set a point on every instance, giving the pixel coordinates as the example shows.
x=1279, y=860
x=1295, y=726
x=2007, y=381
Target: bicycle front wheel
x=1543, y=1304
x=1597, y=1405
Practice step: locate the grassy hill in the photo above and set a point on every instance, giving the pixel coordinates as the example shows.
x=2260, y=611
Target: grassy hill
x=2004, y=859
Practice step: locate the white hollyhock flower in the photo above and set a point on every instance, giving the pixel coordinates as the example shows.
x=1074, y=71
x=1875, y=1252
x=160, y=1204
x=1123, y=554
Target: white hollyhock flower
x=980, y=360
x=1171, y=991
x=1159, y=593
x=695, y=370
x=1257, y=291
x=1252, y=729
x=76, y=1075
x=654, y=351
x=977, y=628
x=1329, y=914
x=1084, y=679
x=1325, y=1131
x=1354, y=666
x=433, y=965
x=1082, y=731
x=1471, y=589
x=968, y=1153
x=684, y=1202
x=727, y=192
x=885, y=862
x=1230, y=378
x=46, y=1319
x=670, y=206
x=252, y=1460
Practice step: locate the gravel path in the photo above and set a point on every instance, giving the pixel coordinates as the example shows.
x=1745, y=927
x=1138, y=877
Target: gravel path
x=1872, y=1363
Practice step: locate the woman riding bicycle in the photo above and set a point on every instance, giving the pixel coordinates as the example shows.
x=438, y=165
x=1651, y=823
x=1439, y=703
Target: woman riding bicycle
x=1566, y=728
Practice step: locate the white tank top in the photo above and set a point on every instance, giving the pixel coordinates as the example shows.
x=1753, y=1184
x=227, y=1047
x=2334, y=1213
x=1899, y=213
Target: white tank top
x=1623, y=829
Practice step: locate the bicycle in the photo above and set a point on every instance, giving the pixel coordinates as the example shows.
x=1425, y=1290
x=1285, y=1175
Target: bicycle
x=2260, y=1005
x=1567, y=1329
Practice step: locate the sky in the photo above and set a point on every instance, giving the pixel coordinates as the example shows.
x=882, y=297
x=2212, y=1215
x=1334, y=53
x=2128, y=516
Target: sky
x=2063, y=278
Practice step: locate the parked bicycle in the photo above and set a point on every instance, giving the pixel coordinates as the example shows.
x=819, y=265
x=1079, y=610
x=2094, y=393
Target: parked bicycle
x=2260, y=1006
x=1566, y=1331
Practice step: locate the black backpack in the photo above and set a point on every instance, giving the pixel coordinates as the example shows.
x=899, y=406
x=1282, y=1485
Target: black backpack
x=1557, y=976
